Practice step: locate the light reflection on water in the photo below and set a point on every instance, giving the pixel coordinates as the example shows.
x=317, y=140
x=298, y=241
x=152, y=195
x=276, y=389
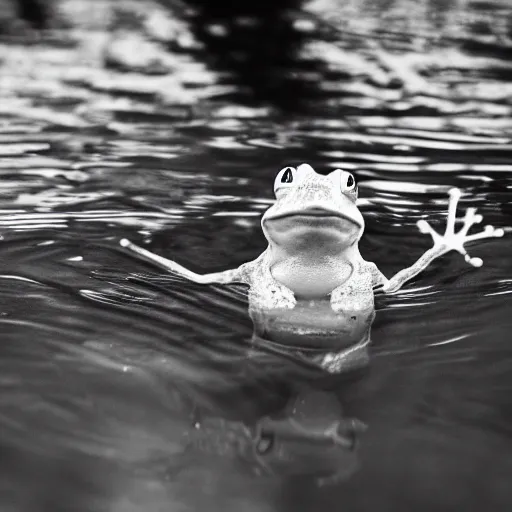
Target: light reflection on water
x=105, y=361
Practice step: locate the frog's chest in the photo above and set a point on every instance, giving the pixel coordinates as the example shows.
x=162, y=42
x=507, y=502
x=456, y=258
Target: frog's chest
x=339, y=319
x=353, y=296
x=311, y=282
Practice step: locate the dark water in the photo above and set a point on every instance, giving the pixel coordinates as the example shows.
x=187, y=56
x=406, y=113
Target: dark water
x=106, y=361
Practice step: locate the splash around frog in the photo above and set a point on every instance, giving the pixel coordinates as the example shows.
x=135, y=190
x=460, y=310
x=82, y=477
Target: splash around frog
x=311, y=291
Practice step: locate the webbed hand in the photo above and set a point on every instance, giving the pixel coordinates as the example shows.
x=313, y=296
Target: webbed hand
x=452, y=241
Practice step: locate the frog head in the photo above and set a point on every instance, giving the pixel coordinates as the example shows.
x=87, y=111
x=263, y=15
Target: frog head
x=313, y=211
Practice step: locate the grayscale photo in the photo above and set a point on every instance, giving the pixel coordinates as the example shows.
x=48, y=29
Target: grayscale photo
x=255, y=256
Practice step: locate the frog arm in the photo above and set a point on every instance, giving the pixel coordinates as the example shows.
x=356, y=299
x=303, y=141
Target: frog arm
x=381, y=283
x=242, y=274
x=450, y=241
x=400, y=278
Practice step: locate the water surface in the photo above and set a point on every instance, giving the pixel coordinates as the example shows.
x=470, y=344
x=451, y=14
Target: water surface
x=106, y=360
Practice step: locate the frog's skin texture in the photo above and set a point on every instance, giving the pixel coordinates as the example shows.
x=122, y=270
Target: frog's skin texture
x=311, y=291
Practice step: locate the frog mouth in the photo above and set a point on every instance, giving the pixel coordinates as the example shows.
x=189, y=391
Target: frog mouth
x=314, y=213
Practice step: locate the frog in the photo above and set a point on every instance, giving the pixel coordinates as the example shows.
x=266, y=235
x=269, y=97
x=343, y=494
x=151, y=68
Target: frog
x=311, y=292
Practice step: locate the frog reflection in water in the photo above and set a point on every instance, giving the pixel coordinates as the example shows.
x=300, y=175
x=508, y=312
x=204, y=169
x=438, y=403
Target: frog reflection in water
x=308, y=438
x=311, y=292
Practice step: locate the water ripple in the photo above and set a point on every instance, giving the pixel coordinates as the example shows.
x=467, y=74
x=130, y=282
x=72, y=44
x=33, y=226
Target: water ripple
x=110, y=358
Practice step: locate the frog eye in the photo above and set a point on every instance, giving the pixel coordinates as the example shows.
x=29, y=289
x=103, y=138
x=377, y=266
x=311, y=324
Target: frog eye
x=284, y=178
x=347, y=183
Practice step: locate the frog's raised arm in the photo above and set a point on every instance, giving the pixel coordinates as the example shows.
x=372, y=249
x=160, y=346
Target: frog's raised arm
x=445, y=243
x=237, y=275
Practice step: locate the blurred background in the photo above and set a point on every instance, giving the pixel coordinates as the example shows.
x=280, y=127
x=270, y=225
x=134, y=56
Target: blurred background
x=166, y=123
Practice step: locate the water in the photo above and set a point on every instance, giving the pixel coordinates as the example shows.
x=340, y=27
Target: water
x=108, y=365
